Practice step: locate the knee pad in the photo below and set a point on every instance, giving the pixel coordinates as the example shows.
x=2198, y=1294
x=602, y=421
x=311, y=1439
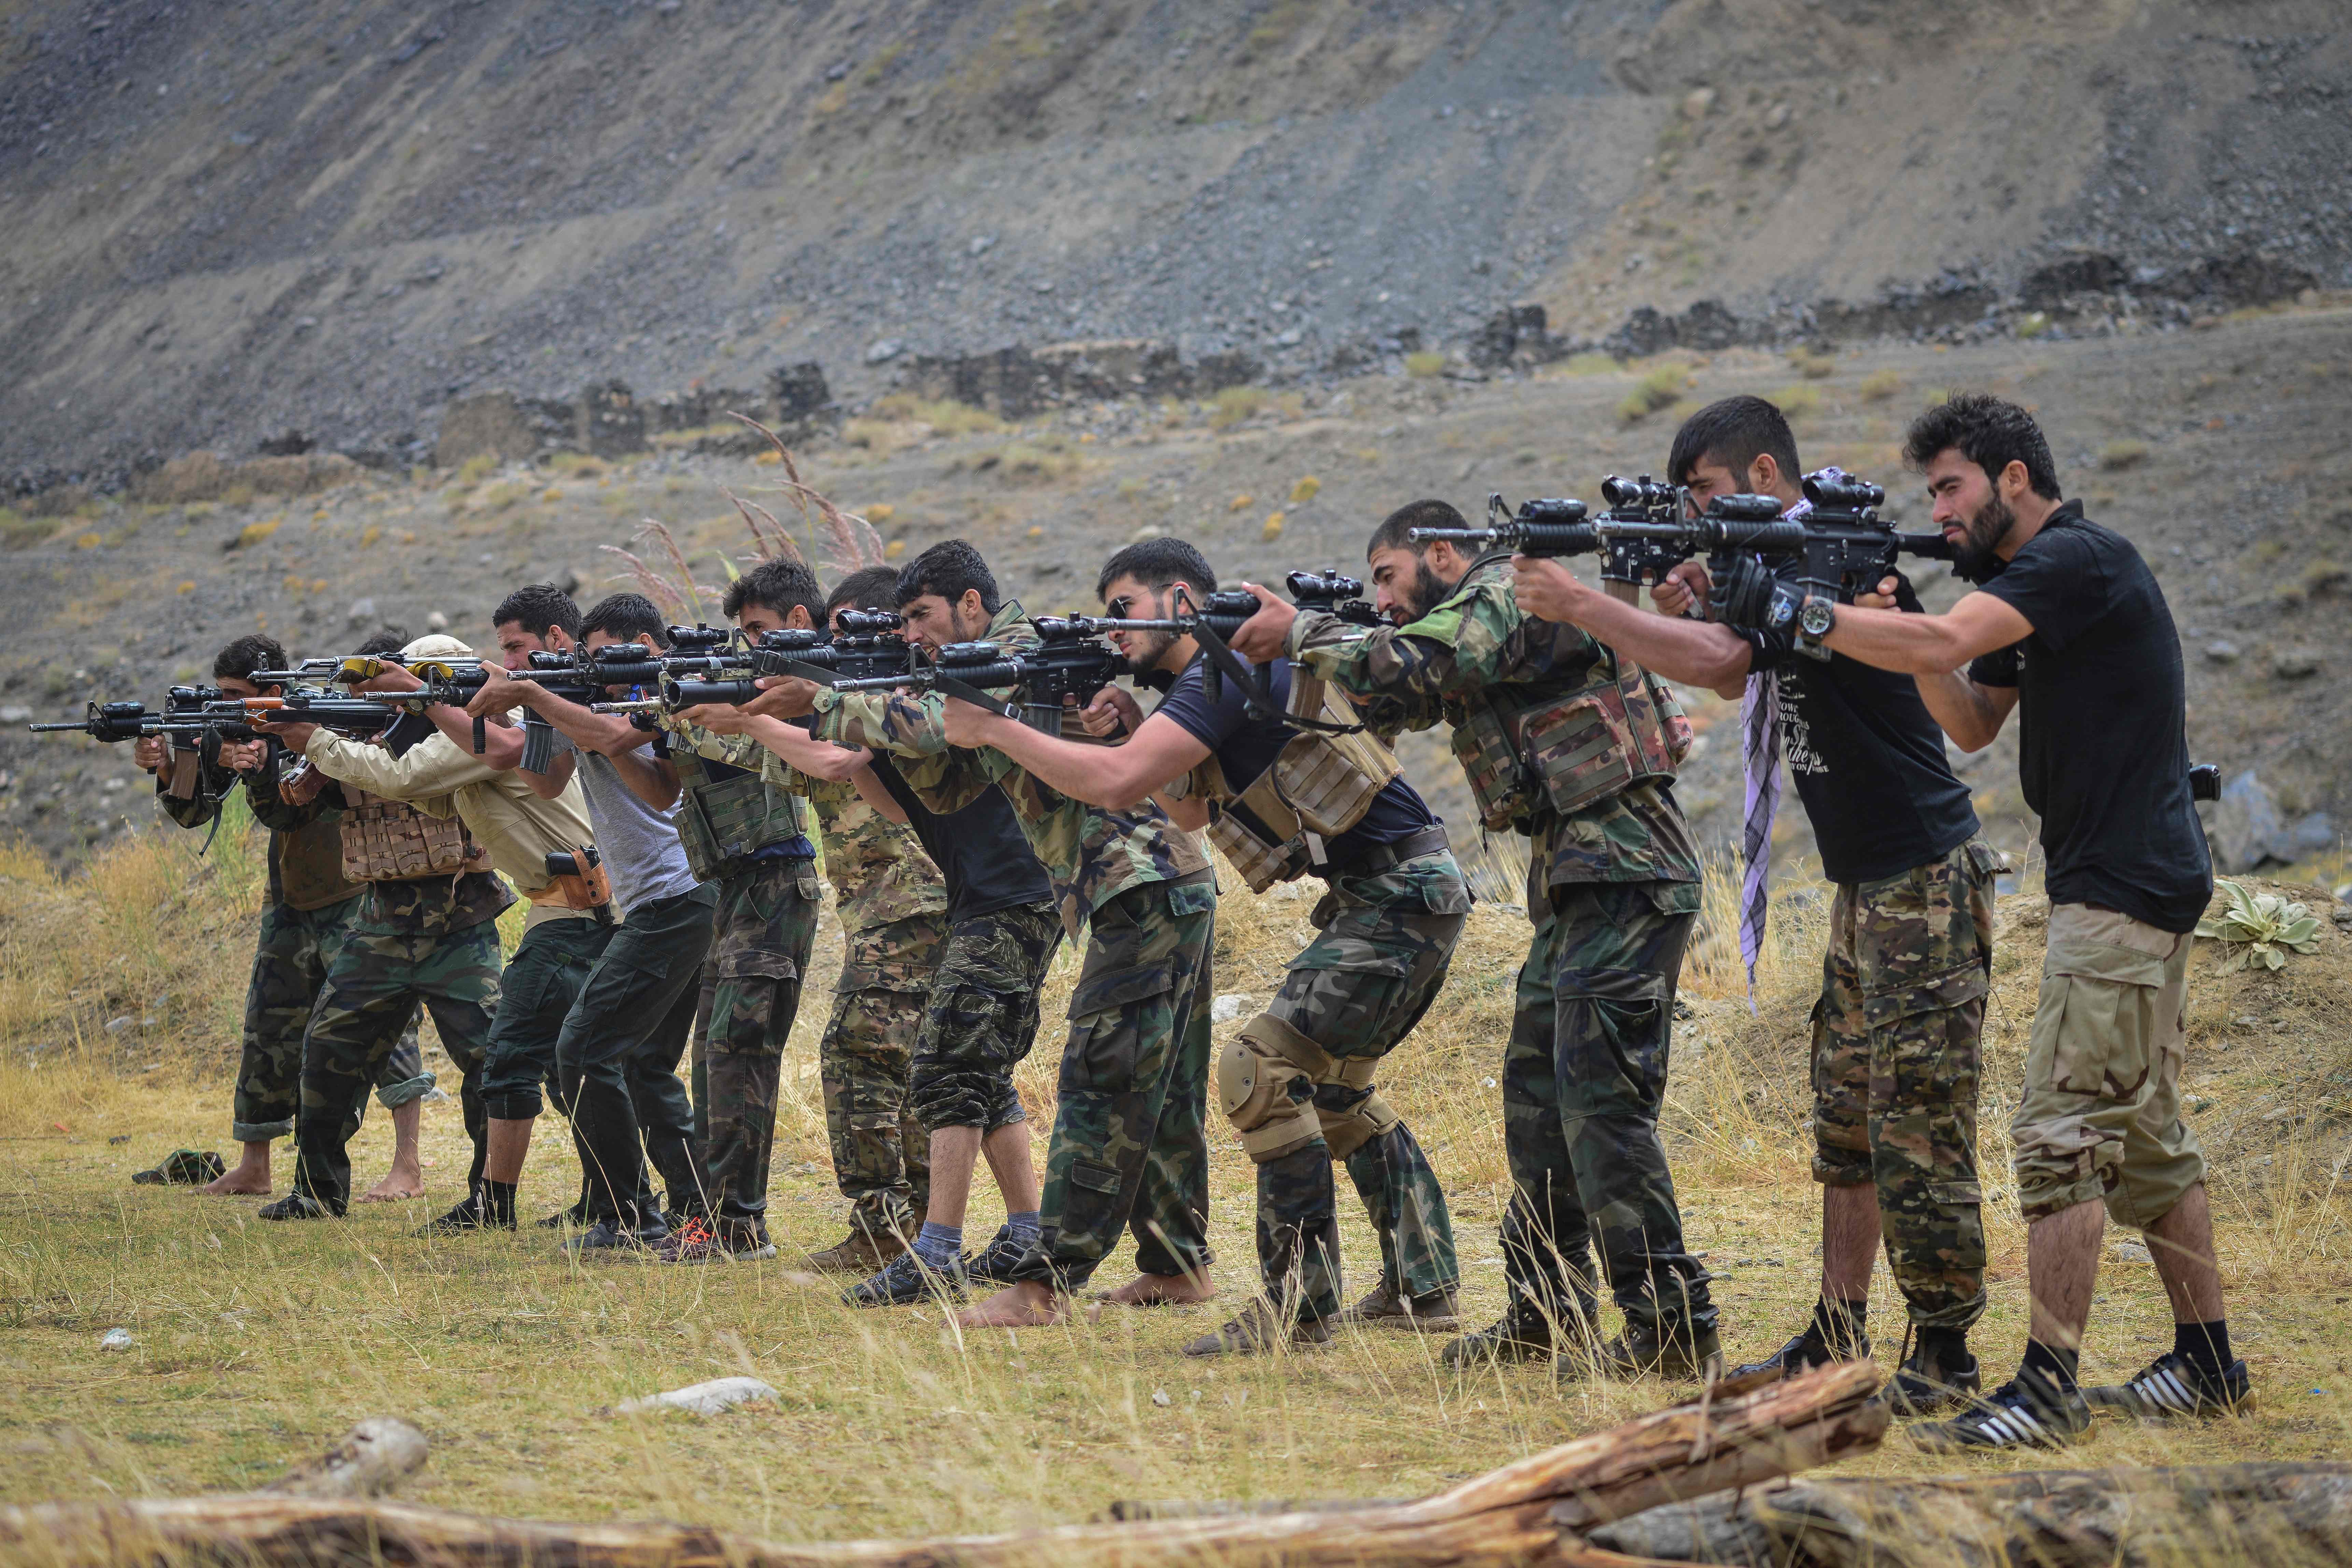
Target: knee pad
x=1254, y=1084
x=1348, y=1130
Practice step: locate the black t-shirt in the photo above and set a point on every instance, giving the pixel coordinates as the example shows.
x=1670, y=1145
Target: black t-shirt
x=982, y=853
x=1245, y=747
x=1867, y=756
x=2102, y=749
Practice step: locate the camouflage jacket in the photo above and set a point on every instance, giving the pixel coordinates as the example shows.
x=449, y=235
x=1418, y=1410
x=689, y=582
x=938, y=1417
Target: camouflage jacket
x=306, y=842
x=879, y=870
x=1477, y=645
x=1090, y=853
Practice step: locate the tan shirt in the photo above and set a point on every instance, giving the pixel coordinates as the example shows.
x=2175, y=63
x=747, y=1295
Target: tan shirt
x=516, y=828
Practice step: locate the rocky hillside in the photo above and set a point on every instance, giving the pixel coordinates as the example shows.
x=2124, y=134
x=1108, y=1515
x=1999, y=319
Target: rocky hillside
x=220, y=222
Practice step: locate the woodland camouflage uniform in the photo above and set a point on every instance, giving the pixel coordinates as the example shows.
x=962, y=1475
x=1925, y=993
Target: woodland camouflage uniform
x=1612, y=889
x=305, y=915
x=765, y=927
x=893, y=913
x=1130, y=1145
x=1895, y=1063
x=433, y=940
x=1381, y=951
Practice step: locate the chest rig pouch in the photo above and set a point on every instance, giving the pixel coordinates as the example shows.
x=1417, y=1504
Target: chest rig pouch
x=725, y=813
x=387, y=840
x=1319, y=785
x=1567, y=750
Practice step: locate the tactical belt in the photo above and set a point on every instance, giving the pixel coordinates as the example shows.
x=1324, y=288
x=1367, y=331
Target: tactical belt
x=1383, y=857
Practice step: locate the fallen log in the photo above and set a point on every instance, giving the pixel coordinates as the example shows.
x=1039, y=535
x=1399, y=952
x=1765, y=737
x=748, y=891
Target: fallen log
x=2275, y=1514
x=1526, y=1512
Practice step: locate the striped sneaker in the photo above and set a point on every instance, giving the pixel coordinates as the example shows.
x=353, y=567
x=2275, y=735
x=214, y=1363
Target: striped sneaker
x=2176, y=1384
x=2018, y=1415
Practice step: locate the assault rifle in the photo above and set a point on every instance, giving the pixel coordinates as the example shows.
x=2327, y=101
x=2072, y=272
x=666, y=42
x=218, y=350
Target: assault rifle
x=117, y=722
x=867, y=643
x=1067, y=666
x=1843, y=548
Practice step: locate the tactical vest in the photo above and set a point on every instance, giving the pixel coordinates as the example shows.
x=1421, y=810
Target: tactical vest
x=387, y=840
x=1319, y=783
x=1565, y=750
x=720, y=821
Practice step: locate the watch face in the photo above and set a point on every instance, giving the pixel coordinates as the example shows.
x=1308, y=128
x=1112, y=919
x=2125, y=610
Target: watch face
x=1815, y=617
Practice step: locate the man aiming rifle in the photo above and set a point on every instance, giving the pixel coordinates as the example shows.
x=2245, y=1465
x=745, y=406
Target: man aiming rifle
x=1896, y=1029
x=306, y=916
x=1283, y=801
x=2069, y=629
x=1565, y=742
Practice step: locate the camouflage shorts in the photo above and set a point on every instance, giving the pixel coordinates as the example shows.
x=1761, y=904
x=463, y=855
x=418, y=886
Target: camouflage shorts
x=1894, y=1068
x=982, y=1018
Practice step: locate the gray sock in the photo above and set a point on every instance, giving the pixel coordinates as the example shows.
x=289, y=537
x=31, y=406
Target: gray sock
x=1023, y=1227
x=939, y=1246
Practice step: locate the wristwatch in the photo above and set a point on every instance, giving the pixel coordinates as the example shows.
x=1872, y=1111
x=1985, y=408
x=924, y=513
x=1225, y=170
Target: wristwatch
x=1816, y=616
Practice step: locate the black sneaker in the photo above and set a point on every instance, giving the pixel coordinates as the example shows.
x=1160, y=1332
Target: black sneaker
x=906, y=1280
x=574, y=1217
x=2018, y=1415
x=471, y=1215
x=296, y=1206
x=2177, y=1384
x=605, y=1239
x=1924, y=1384
x=993, y=1264
x=1522, y=1333
x=1803, y=1354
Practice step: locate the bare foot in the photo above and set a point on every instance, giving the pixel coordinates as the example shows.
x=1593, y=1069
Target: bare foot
x=1027, y=1305
x=396, y=1185
x=242, y=1181
x=1159, y=1291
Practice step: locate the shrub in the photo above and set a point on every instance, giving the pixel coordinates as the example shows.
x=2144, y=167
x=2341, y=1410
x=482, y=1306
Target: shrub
x=2264, y=926
x=1235, y=404
x=1881, y=384
x=2123, y=454
x=1662, y=387
x=1305, y=490
x=1814, y=366
x=1797, y=402
x=1424, y=363
x=476, y=468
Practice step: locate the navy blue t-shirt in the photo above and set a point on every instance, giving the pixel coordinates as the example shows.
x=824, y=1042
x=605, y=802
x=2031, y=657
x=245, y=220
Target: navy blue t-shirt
x=2103, y=751
x=1245, y=747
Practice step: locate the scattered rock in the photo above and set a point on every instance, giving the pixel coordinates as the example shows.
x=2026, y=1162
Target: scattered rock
x=16, y=714
x=115, y=1340
x=882, y=350
x=702, y=1398
x=1160, y=1397
x=372, y=1458
x=1225, y=1009
x=436, y=622
x=361, y=612
x=2132, y=1252
x=2221, y=651
x=1697, y=103
x=116, y=1025
x=2247, y=830
x=2295, y=664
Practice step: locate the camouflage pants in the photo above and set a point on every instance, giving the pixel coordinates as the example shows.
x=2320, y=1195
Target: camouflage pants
x=1895, y=1037
x=760, y=944
x=372, y=989
x=981, y=1018
x=616, y=1059
x=290, y=960
x=881, y=1155
x=1379, y=954
x=1583, y=1076
x=1131, y=1145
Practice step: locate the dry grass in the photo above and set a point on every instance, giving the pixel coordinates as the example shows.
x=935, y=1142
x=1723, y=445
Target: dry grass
x=256, y=1343
x=1661, y=387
